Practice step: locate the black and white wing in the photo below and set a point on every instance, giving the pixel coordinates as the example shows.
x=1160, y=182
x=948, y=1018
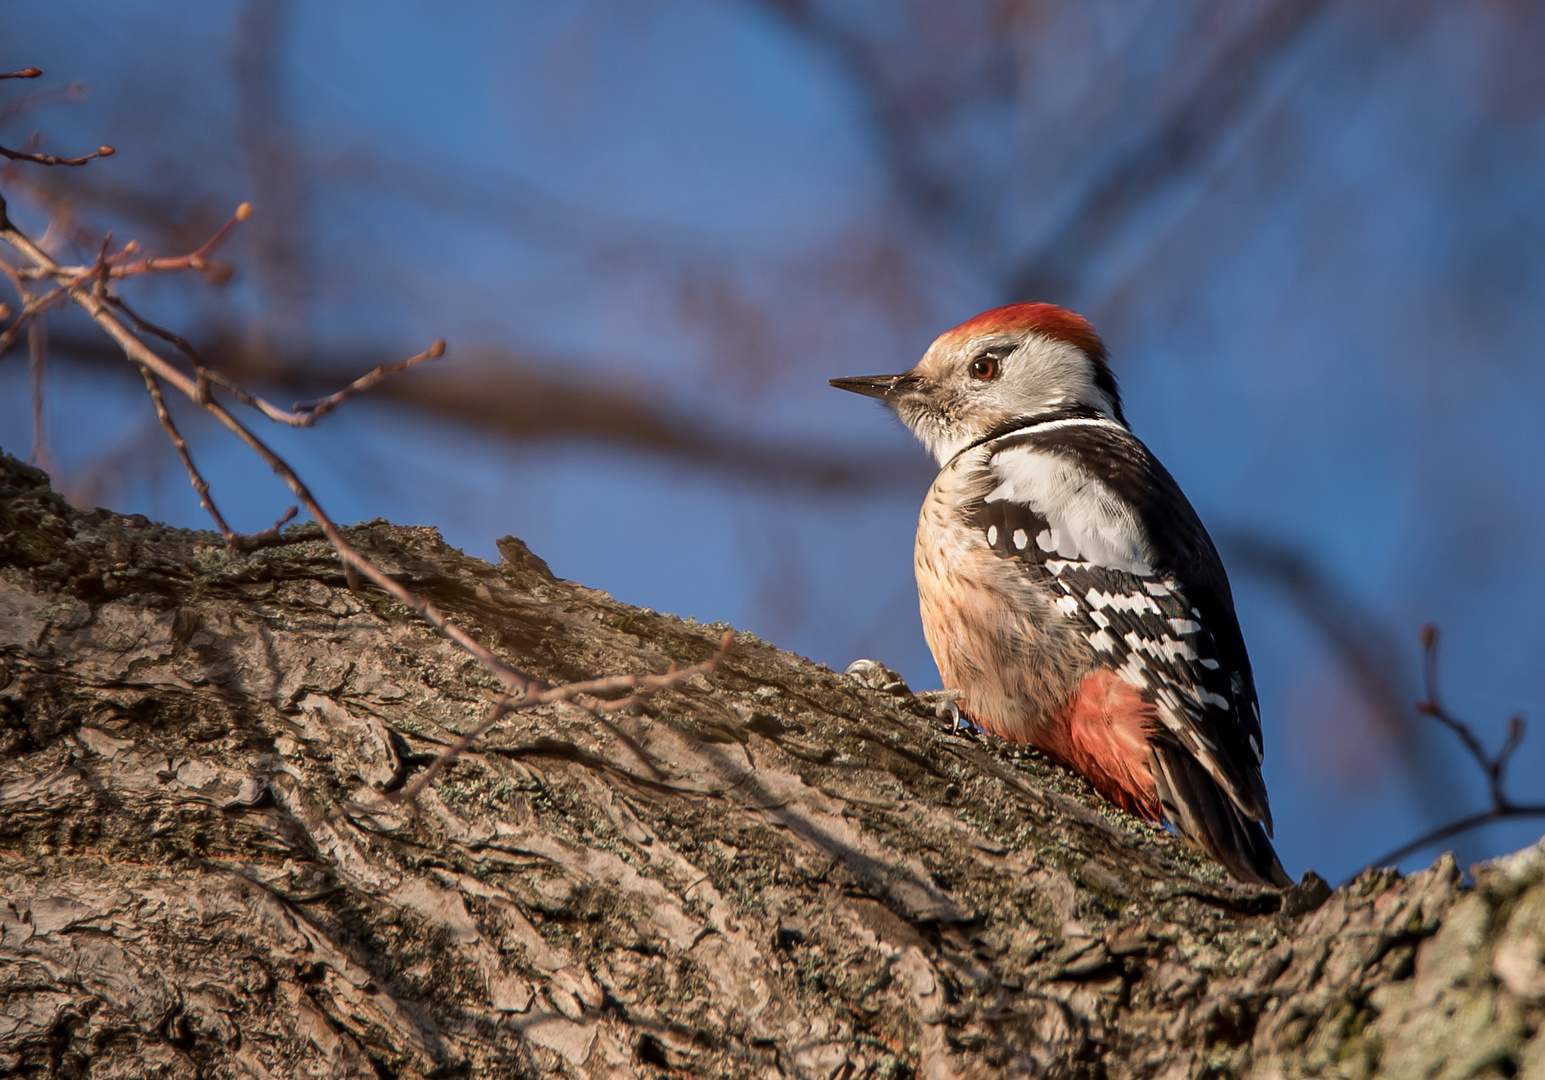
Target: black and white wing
x=1083, y=504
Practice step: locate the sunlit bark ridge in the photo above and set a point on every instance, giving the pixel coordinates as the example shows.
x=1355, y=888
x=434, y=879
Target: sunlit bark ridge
x=767, y=870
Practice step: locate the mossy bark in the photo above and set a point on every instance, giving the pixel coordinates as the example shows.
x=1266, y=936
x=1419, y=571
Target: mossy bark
x=772, y=871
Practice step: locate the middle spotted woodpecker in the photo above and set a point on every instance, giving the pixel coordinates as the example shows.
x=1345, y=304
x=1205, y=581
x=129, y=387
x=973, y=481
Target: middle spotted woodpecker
x=1068, y=589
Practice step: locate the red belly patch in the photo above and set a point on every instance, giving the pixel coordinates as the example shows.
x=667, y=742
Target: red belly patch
x=1103, y=734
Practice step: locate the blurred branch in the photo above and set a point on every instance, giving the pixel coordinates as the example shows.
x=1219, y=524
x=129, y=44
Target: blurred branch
x=37, y=369
x=1494, y=766
x=88, y=288
x=1178, y=145
x=88, y=291
x=274, y=152
x=31, y=306
x=1363, y=647
x=515, y=398
x=70, y=93
x=1199, y=123
x=926, y=194
x=39, y=99
x=1356, y=639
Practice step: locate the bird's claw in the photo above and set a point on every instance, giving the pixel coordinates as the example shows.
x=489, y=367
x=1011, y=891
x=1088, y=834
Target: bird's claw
x=877, y=676
x=959, y=723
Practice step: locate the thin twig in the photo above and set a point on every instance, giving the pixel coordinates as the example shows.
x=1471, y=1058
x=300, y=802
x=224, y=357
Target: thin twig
x=24, y=73
x=87, y=288
x=50, y=159
x=317, y=409
x=204, y=376
x=200, y=485
x=101, y=312
x=119, y=265
x=209, y=376
x=30, y=307
x=194, y=260
x=1502, y=808
x=409, y=793
x=1463, y=825
x=234, y=541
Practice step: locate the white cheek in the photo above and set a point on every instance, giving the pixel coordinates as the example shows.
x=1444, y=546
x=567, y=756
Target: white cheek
x=1045, y=374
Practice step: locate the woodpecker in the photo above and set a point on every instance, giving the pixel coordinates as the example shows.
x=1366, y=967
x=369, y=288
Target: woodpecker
x=1068, y=590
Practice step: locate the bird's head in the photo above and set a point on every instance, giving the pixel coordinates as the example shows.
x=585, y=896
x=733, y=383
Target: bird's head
x=1011, y=362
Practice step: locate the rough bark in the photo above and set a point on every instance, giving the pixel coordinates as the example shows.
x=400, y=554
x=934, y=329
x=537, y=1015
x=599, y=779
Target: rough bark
x=774, y=871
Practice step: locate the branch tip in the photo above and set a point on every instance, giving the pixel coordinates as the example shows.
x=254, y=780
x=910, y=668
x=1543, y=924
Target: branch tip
x=1493, y=766
x=312, y=411
x=244, y=211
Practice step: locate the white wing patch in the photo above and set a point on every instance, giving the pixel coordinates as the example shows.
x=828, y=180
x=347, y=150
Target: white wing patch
x=1086, y=520
x=1135, y=602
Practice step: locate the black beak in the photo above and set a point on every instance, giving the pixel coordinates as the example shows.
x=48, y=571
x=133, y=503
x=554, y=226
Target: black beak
x=876, y=386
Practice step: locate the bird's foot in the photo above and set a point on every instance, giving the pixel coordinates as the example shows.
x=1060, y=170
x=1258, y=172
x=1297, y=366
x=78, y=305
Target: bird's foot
x=959, y=723
x=877, y=676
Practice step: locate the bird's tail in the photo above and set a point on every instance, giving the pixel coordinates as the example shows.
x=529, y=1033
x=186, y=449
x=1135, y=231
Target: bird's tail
x=1205, y=815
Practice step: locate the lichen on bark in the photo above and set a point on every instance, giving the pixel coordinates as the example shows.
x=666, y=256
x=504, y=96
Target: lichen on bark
x=772, y=871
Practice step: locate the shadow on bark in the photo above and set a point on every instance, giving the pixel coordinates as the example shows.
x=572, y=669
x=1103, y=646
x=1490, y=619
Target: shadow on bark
x=773, y=871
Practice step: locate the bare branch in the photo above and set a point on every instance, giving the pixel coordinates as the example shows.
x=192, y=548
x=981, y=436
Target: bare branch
x=203, y=375
x=518, y=397
x=194, y=260
x=30, y=306
x=316, y=409
x=1463, y=825
x=102, y=312
x=200, y=485
x=302, y=415
x=24, y=73
x=1367, y=650
x=234, y=541
x=1502, y=808
x=50, y=159
x=117, y=266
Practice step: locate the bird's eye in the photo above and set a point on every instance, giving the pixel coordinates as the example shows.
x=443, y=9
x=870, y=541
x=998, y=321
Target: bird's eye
x=984, y=368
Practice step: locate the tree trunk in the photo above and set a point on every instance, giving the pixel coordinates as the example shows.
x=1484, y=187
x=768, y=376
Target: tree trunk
x=770, y=871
